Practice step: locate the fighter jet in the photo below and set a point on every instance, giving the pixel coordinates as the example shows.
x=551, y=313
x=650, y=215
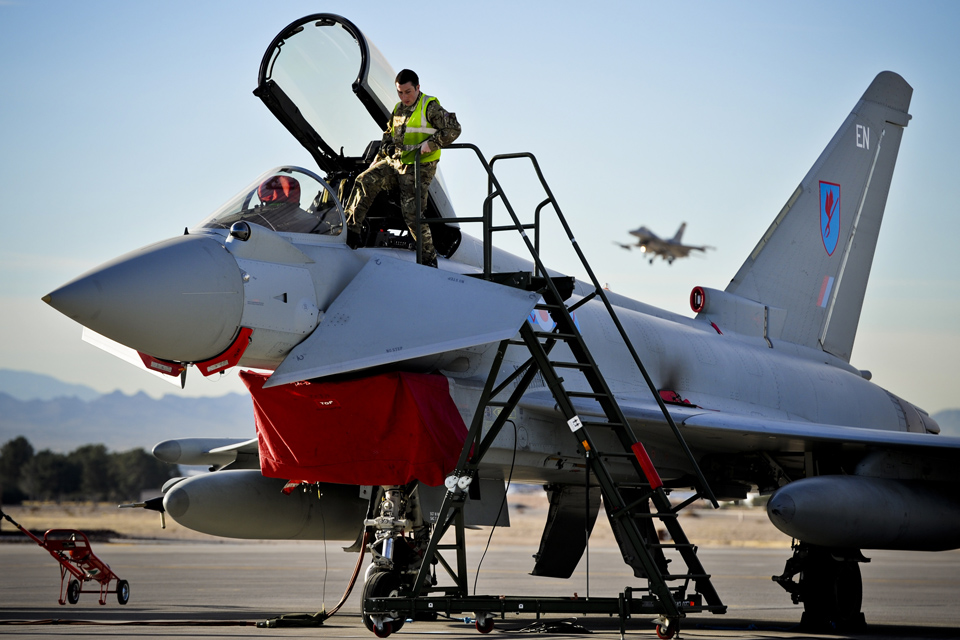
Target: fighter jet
x=667, y=248
x=399, y=389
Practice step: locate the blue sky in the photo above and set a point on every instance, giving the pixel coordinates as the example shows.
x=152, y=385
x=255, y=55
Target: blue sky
x=121, y=123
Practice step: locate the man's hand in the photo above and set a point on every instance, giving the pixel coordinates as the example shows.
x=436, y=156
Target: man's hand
x=425, y=148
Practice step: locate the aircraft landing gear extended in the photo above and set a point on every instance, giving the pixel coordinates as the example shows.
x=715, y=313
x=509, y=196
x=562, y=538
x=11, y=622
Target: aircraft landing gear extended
x=830, y=586
x=396, y=555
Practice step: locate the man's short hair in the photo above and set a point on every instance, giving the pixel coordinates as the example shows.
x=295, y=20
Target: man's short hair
x=406, y=75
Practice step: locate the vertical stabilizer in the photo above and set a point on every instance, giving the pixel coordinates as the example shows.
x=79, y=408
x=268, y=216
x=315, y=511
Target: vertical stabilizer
x=814, y=261
x=679, y=236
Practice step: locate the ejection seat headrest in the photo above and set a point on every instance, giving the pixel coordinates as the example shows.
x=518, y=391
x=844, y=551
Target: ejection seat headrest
x=278, y=190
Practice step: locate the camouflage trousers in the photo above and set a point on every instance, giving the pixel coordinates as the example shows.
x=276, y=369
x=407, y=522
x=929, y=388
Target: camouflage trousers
x=383, y=176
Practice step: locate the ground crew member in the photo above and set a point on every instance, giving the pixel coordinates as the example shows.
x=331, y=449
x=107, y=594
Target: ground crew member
x=418, y=121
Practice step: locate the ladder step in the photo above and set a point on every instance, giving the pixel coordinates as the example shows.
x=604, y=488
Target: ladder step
x=587, y=394
x=590, y=423
x=673, y=545
x=613, y=454
x=572, y=365
x=643, y=514
x=555, y=335
x=686, y=576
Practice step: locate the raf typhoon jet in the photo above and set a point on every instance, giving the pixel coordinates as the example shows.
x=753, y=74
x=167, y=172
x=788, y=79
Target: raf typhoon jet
x=408, y=395
x=667, y=248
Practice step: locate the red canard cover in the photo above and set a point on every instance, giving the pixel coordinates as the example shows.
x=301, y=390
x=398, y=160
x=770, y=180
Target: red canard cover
x=385, y=429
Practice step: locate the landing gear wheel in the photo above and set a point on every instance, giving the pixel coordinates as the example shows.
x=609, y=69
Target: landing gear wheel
x=383, y=630
x=73, y=592
x=486, y=626
x=832, y=591
x=381, y=585
x=123, y=591
x=666, y=631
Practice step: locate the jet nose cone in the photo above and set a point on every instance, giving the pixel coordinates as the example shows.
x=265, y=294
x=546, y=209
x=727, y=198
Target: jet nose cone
x=180, y=299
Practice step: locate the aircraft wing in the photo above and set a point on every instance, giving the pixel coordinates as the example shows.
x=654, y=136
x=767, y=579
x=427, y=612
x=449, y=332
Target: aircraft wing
x=728, y=433
x=396, y=310
x=762, y=434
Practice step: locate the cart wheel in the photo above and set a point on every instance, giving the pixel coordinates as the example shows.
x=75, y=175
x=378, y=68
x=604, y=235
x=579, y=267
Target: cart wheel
x=73, y=592
x=381, y=585
x=486, y=626
x=123, y=591
x=665, y=632
x=383, y=630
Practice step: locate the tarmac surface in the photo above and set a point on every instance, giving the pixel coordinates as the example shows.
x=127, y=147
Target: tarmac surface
x=188, y=589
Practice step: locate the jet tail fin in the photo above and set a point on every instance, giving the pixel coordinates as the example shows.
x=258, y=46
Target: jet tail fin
x=812, y=265
x=679, y=235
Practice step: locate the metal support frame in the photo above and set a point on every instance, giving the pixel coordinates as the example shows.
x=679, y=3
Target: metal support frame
x=671, y=603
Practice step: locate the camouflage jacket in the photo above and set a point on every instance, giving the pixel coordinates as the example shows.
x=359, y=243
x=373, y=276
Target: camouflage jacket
x=445, y=122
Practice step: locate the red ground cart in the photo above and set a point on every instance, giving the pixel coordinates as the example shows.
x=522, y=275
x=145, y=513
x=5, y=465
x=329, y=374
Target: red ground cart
x=72, y=550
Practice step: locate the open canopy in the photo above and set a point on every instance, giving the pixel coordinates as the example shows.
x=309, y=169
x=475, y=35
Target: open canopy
x=329, y=87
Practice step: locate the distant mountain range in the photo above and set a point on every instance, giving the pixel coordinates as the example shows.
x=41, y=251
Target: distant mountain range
x=24, y=385
x=61, y=417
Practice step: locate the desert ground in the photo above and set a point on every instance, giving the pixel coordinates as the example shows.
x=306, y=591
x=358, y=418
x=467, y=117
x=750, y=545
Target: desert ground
x=730, y=526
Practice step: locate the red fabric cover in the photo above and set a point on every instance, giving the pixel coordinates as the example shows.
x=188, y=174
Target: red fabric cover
x=385, y=429
x=279, y=189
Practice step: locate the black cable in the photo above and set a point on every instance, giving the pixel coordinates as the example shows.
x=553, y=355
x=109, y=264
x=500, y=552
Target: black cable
x=326, y=565
x=502, y=504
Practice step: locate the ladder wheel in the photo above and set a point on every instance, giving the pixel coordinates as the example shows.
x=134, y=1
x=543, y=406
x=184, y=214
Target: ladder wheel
x=383, y=630
x=486, y=626
x=665, y=632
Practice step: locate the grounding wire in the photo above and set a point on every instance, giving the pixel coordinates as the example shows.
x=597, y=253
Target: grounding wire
x=500, y=510
x=326, y=565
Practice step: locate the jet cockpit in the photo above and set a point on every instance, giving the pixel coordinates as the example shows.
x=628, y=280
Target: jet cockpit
x=334, y=91
x=286, y=200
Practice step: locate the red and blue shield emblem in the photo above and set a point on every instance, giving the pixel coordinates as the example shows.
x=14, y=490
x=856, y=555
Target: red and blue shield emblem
x=829, y=215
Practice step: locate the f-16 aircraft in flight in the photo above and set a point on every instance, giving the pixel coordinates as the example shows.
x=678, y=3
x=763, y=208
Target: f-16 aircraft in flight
x=408, y=395
x=667, y=248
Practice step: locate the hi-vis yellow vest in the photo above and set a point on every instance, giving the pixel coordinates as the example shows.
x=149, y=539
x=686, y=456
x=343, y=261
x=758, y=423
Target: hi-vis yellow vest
x=418, y=130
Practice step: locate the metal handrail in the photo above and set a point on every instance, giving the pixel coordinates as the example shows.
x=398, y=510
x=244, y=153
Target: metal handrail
x=494, y=190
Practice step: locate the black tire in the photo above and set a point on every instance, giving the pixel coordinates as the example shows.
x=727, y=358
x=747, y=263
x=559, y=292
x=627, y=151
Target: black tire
x=831, y=590
x=73, y=592
x=123, y=591
x=486, y=626
x=382, y=584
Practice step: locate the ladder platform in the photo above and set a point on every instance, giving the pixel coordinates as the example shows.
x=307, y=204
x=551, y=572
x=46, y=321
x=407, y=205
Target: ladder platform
x=528, y=282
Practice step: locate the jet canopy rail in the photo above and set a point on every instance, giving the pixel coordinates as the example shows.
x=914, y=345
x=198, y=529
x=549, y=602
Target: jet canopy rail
x=592, y=422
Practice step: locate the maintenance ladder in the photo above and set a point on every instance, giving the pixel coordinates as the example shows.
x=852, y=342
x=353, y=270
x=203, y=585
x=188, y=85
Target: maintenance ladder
x=628, y=509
